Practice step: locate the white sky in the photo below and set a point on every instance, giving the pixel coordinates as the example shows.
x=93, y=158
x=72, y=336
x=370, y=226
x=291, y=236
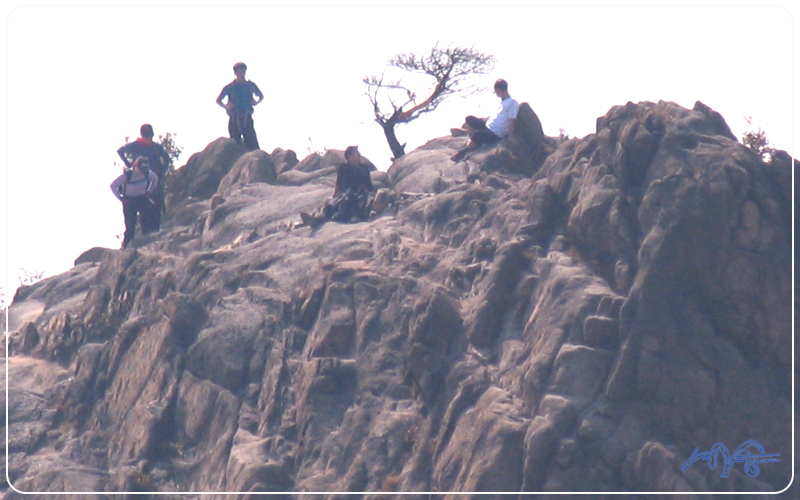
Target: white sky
x=79, y=79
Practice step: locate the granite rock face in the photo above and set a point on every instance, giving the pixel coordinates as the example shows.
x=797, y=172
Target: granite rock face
x=579, y=326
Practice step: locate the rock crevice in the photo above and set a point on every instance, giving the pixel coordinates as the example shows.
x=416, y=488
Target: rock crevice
x=578, y=317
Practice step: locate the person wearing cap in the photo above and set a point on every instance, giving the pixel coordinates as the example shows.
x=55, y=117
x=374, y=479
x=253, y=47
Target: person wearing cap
x=157, y=157
x=242, y=95
x=145, y=146
x=135, y=188
x=489, y=132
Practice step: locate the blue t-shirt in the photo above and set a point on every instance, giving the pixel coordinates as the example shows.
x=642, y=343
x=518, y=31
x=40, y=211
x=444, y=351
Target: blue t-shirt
x=241, y=94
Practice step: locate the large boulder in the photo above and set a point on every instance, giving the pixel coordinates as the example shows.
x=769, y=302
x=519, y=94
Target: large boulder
x=331, y=158
x=200, y=177
x=254, y=166
x=428, y=169
x=531, y=145
x=581, y=327
x=283, y=159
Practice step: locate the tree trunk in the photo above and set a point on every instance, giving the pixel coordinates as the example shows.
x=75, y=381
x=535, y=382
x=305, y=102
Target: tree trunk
x=398, y=150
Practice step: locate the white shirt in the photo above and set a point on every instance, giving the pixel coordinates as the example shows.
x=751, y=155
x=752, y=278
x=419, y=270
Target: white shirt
x=508, y=111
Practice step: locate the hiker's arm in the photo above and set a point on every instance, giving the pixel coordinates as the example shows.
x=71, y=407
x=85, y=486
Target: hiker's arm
x=340, y=181
x=259, y=95
x=118, y=182
x=368, y=179
x=513, y=111
x=222, y=96
x=121, y=152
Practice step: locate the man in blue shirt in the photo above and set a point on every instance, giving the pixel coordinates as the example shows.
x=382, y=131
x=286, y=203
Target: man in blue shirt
x=242, y=95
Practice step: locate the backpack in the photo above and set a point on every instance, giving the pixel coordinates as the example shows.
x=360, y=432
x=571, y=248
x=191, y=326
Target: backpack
x=129, y=173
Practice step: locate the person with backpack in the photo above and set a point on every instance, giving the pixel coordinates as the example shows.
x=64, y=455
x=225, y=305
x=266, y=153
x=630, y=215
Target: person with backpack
x=135, y=188
x=351, y=196
x=242, y=95
x=159, y=161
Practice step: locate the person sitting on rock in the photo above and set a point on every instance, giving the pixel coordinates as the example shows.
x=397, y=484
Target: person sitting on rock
x=491, y=131
x=135, y=188
x=351, y=196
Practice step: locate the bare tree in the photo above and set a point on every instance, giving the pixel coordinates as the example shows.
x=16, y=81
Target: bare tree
x=450, y=67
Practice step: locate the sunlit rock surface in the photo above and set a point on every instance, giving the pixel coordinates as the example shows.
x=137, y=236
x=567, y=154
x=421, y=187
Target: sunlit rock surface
x=578, y=317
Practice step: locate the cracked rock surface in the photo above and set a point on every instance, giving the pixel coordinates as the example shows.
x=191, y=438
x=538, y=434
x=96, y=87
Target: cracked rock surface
x=578, y=326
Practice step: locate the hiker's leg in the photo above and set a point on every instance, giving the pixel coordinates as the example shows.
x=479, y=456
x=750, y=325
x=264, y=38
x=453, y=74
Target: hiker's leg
x=484, y=137
x=249, y=132
x=328, y=209
x=233, y=127
x=347, y=207
x=129, y=213
x=158, y=207
x=475, y=123
x=364, y=205
x=143, y=215
x=148, y=213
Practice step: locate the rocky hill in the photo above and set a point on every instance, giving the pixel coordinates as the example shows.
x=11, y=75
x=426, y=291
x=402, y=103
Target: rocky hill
x=579, y=316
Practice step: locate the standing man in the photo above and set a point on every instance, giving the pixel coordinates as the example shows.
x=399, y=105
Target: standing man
x=491, y=131
x=242, y=95
x=158, y=160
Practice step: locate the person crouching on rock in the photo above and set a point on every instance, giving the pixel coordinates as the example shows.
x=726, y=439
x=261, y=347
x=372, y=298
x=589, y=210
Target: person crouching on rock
x=351, y=196
x=489, y=132
x=134, y=188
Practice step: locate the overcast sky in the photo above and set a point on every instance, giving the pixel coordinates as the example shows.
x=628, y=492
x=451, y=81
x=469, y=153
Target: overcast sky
x=80, y=79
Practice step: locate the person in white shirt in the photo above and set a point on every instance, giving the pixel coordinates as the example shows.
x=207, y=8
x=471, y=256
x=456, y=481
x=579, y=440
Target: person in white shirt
x=491, y=131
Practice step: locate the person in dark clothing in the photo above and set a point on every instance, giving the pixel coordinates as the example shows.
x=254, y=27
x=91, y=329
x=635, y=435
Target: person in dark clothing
x=135, y=188
x=157, y=158
x=351, y=196
x=242, y=95
x=353, y=173
x=145, y=146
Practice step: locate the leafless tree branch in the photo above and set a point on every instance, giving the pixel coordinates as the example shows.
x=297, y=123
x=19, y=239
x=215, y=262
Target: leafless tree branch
x=450, y=67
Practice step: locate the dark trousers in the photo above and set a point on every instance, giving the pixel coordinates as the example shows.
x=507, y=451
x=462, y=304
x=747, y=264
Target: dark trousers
x=134, y=208
x=349, y=206
x=482, y=136
x=240, y=126
x=158, y=200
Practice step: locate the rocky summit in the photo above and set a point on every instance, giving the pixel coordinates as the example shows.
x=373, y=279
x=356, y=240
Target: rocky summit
x=548, y=315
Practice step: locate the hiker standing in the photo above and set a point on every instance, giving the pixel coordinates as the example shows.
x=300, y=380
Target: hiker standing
x=159, y=162
x=491, y=131
x=242, y=95
x=135, y=188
